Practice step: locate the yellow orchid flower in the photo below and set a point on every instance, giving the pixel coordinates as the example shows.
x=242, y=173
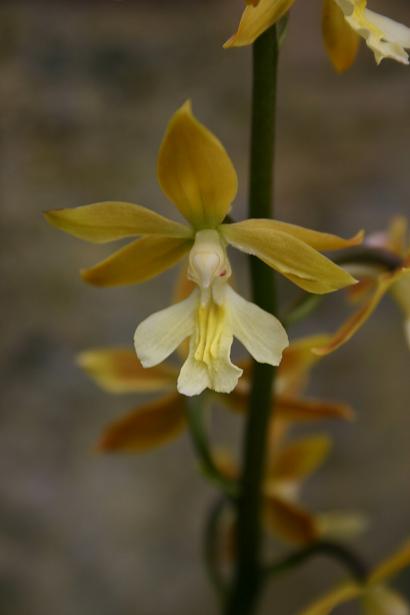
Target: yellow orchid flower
x=197, y=175
x=343, y=23
x=397, y=282
x=376, y=598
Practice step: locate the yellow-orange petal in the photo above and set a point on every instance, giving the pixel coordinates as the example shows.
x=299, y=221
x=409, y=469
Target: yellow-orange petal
x=310, y=410
x=315, y=239
x=340, y=595
x=288, y=520
x=299, y=458
x=118, y=370
x=341, y=41
x=195, y=172
x=137, y=262
x=111, y=220
x=256, y=20
x=146, y=427
x=293, y=258
x=353, y=324
x=399, y=560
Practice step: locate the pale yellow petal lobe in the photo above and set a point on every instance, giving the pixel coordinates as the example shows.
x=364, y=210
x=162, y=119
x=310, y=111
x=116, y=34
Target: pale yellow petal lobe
x=160, y=334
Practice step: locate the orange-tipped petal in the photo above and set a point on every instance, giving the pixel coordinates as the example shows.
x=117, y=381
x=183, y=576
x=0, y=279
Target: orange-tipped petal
x=308, y=410
x=299, y=459
x=292, y=257
x=111, y=220
x=117, y=370
x=289, y=521
x=257, y=19
x=341, y=41
x=353, y=324
x=146, y=427
x=137, y=262
x=195, y=172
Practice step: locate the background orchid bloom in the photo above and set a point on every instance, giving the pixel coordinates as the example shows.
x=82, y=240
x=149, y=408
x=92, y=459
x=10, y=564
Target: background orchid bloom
x=197, y=175
x=343, y=23
x=376, y=283
x=118, y=371
x=376, y=598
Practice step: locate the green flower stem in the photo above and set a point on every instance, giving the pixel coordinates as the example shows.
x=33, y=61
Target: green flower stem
x=247, y=578
x=211, y=545
x=345, y=556
x=195, y=414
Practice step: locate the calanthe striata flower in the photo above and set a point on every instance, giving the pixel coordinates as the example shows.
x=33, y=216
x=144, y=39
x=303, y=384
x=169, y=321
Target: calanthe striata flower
x=344, y=22
x=197, y=175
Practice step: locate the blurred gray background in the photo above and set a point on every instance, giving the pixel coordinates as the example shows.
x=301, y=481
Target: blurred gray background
x=86, y=90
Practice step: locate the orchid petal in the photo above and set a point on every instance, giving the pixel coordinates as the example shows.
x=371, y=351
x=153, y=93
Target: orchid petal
x=292, y=257
x=353, y=324
x=310, y=410
x=401, y=292
x=340, y=525
x=399, y=560
x=289, y=520
x=256, y=20
x=300, y=458
x=195, y=172
x=137, y=262
x=341, y=41
x=161, y=333
x=315, y=239
x=381, y=600
x=117, y=370
x=340, y=595
x=104, y=222
x=146, y=427
x=260, y=332
x=221, y=375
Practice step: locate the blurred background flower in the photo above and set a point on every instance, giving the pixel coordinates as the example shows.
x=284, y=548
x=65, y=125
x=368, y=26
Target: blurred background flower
x=86, y=90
